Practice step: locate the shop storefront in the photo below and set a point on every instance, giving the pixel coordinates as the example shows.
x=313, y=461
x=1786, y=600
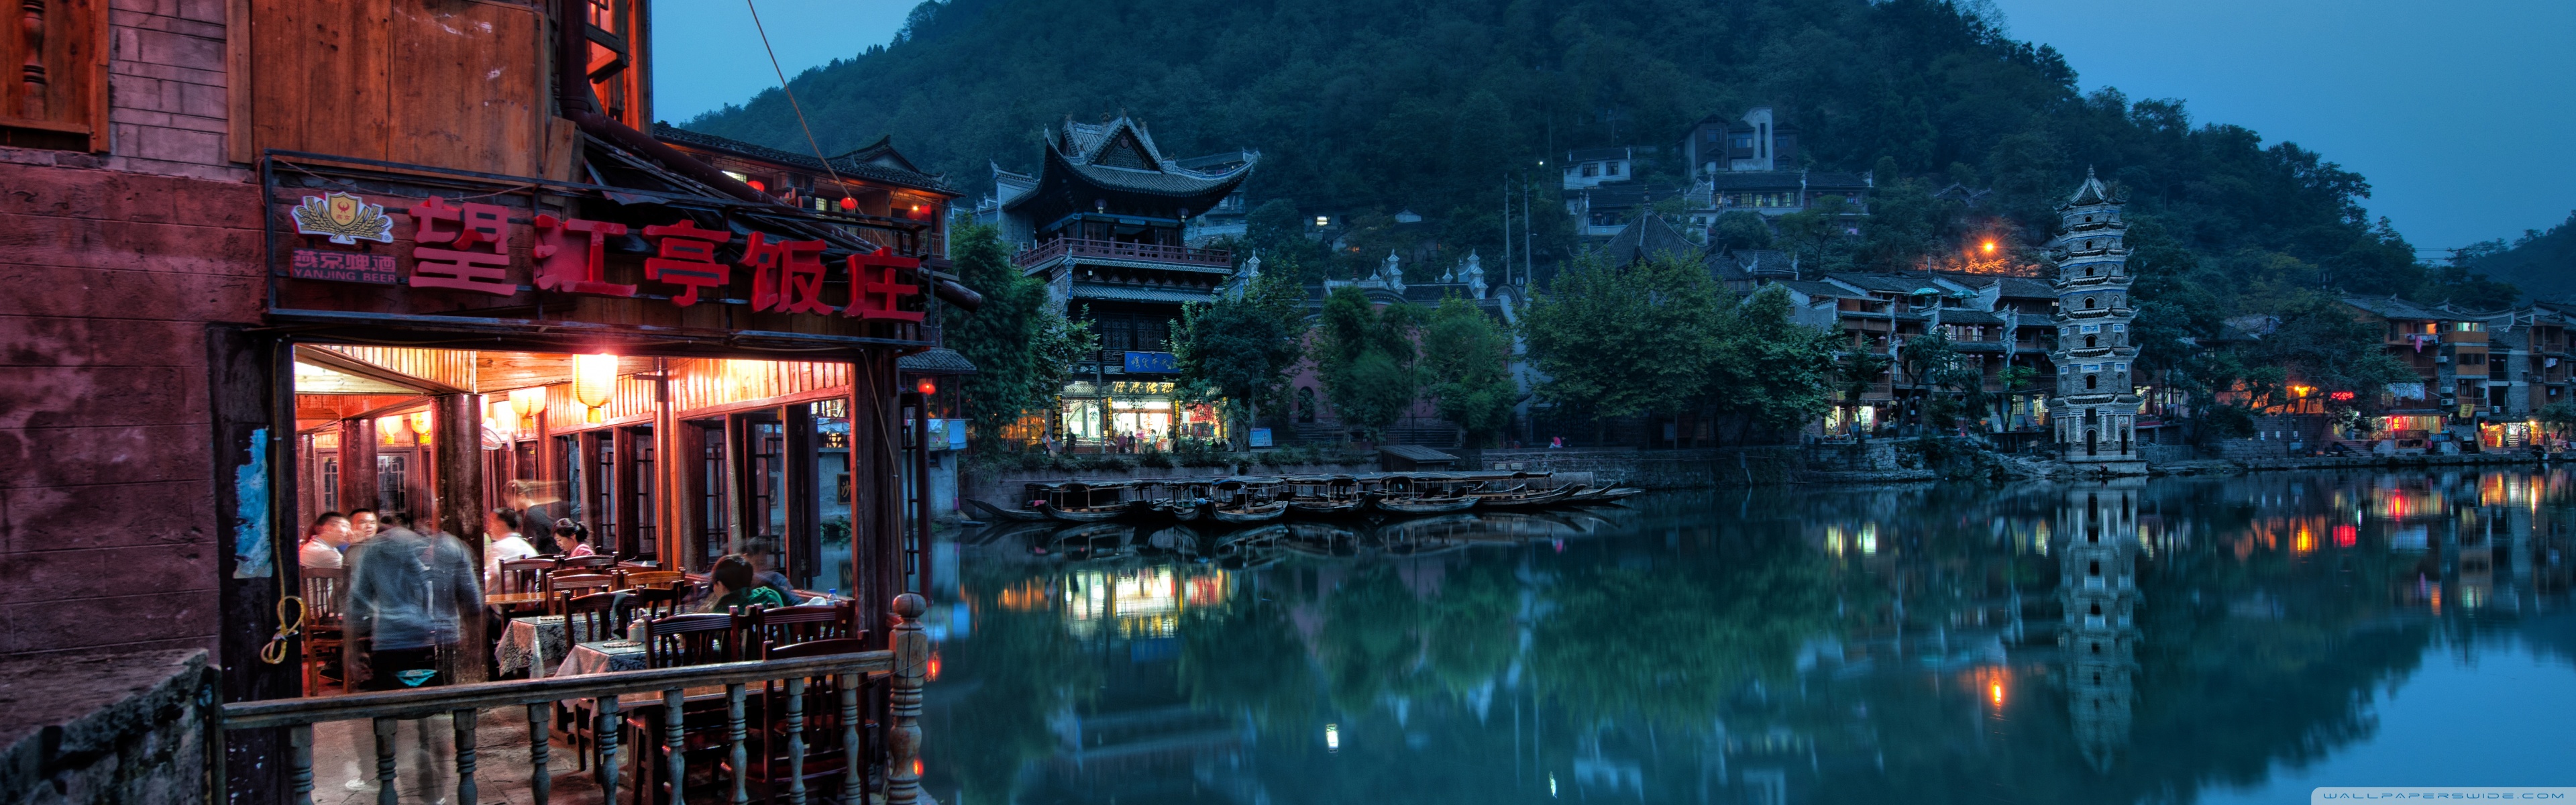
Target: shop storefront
x=1124, y=415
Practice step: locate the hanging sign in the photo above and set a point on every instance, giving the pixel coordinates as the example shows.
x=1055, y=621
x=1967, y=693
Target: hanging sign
x=467, y=246
x=1154, y=362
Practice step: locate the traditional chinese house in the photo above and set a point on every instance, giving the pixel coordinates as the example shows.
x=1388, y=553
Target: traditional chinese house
x=432, y=257
x=1103, y=222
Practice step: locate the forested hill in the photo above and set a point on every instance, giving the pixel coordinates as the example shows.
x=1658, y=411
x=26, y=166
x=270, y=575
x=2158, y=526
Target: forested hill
x=2542, y=264
x=1361, y=105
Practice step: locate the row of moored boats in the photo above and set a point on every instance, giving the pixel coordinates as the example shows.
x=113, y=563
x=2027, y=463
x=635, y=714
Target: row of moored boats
x=1258, y=499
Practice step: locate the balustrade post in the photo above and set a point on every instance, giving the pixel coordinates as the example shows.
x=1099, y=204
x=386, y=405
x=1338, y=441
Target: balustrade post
x=854, y=778
x=540, y=782
x=385, y=794
x=300, y=738
x=733, y=738
x=465, y=789
x=903, y=702
x=674, y=726
x=610, y=725
x=795, y=741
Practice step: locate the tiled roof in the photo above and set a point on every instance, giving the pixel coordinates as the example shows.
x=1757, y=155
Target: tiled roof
x=2395, y=308
x=1956, y=316
x=1592, y=154
x=936, y=361
x=1637, y=243
x=1821, y=290
x=1130, y=293
x=1787, y=180
x=1889, y=283
x=859, y=164
x=2026, y=288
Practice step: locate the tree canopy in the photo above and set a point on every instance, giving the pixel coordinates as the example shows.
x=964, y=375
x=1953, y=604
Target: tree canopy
x=1021, y=347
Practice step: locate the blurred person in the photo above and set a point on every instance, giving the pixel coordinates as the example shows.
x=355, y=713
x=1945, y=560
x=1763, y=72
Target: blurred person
x=324, y=540
x=737, y=585
x=408, y=596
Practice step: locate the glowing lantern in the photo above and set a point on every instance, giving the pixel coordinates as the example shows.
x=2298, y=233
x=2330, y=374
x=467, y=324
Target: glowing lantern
x=528, y=401
x=499, y=418
x=756, y=185
x=594, y=383
x=1989, y=247
x=926, y=386
x=420, y=423
x=387, y=427
x=849, y=203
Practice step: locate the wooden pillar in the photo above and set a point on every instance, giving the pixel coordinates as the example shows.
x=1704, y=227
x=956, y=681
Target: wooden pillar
x=458, y=500
x=738, y=478
x=622, y=488
x=250, y=398
x=357, y=464
x=803, y=494
x=670, y=492
x=876, y=500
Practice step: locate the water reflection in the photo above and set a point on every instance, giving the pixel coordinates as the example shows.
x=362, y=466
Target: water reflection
x=2155, y=640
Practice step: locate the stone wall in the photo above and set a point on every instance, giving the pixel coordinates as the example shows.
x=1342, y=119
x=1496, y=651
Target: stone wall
x=1010, y=489
x=106, y=473
x=1876, y=455
x=1655, y=469
x=106, y=727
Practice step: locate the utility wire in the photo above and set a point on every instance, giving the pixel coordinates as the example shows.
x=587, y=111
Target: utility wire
x=791, y=99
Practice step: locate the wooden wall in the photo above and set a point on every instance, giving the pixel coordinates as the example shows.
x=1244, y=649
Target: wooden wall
x=458, y=84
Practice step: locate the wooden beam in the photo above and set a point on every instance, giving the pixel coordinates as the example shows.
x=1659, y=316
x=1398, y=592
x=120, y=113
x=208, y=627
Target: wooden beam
x=338, y=362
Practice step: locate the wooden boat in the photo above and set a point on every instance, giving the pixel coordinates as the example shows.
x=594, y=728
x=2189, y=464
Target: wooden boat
x=1080, y=502
x=1426, y=504
x=999, y=513
x=1524, y=499
x=1250, y=512
x=1613, y=494
x=1181, y=510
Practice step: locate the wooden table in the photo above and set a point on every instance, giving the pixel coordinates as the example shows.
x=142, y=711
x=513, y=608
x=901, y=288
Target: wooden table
x=513, y=599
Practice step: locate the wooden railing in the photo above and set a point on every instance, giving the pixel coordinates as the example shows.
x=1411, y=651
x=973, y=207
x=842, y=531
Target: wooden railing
x=904, y=666
x=1079, y=247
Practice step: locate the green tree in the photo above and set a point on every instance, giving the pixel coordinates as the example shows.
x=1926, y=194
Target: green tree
x=1621, y=340
x=1953, y=382
x=1237, y=350
x=1366, y=359
x=1021, y=346
x=1465, y=357
x=1771, y=372
x=1738, y=230
x=2323, y=343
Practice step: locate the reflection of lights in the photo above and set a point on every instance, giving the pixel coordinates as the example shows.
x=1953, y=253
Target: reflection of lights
x=931, y=671
x=1333, y=737
x=916, y=767
x=1995, y=693
x=2345, y=535
x=1833, y=540
x=2306, y=540
x=1141, y=603
x=1551, y=785
x=1869, y=539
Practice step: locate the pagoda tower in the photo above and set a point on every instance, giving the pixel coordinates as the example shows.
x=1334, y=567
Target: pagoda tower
x=2095, y=409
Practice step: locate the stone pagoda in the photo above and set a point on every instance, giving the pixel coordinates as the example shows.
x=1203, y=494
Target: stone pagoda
x=2095, y=409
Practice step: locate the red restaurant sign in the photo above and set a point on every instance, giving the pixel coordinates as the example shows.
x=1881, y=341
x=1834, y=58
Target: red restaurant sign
x=466, y=246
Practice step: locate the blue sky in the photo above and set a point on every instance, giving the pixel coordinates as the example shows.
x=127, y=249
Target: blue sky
x=2461, y=113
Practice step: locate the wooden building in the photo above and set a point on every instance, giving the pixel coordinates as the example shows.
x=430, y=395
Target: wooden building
x=1103, y=222
x=428, y=255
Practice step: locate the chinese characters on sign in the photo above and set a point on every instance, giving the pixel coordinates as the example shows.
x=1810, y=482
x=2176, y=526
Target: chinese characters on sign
x=465, y=246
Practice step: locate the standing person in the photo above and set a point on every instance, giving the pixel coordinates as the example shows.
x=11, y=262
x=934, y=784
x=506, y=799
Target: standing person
x=408, y=596
x=503, y=521
x=323, y=541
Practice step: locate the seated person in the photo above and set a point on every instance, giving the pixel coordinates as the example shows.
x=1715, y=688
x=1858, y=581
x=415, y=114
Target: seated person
x=323, y=542
x=736, y=586
x=574, y=538
x=501, y=526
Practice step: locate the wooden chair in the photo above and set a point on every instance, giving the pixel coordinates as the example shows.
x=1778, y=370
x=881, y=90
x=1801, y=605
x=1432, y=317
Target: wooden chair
x=800, y=624
x=559, y=582
x=816, y=715
x=639, y=564
x=651, y=603
x=691, y=640
x=653, y=578
x=524, y=575
x=588, y=618
x=587, y=564
x=326, y=591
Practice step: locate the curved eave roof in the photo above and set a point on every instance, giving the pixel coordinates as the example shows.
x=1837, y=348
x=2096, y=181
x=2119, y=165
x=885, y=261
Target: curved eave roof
x=1065, y=179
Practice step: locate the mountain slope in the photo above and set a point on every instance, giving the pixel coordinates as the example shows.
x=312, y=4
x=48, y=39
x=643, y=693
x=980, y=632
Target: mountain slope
x=1362, y=105
x=2542, y=264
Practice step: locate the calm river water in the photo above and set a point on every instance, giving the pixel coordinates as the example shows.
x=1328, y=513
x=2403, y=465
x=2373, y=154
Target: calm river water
x=2172, y=640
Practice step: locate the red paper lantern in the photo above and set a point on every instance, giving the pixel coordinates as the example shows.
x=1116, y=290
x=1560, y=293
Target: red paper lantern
x=926, y=386
x=849, y=203
x=755, y=185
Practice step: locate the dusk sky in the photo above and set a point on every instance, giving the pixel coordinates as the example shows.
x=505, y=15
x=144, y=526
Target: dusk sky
x=2459, y=113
